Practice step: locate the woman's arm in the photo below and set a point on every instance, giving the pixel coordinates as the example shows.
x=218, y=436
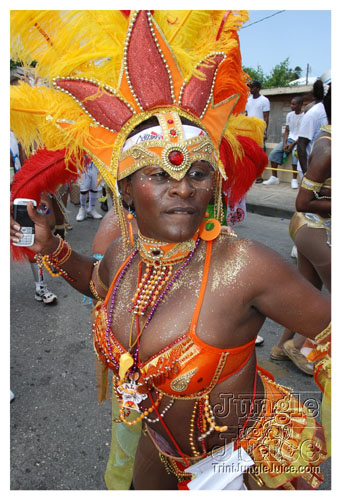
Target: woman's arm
x=319, y=169
x=77, y=267
x=302, y=143
x=285, y=296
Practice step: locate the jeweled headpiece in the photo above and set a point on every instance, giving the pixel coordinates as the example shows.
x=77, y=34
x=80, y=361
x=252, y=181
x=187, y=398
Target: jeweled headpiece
x=111, y=70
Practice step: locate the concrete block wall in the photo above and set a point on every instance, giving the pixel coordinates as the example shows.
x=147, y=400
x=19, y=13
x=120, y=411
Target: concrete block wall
x=283, y=176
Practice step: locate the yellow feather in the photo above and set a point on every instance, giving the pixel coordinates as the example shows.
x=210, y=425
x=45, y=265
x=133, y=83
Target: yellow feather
x=246, y=126
x=65, y=42
x=35, y=112
x=192, y=34
x=182, y=31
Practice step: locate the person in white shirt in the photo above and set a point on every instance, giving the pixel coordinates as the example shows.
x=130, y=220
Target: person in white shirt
x=258, y=105
x=288, y=144
x=309, y=129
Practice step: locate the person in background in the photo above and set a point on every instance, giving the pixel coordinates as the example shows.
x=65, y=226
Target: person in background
x=88, y=188
x=17, y=155
x=310, y=126
x=258, y=105
x=318, y=94
x=288, y=144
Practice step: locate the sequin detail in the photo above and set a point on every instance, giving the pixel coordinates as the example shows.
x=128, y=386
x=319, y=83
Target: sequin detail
x=148, y=77
x=100, y=103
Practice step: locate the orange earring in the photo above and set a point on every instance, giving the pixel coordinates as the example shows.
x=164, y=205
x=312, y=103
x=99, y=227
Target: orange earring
x=209, y=229
x=130, y=218
x=206, y=215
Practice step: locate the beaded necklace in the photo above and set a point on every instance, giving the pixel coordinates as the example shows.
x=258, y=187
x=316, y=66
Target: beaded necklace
x=151, y=289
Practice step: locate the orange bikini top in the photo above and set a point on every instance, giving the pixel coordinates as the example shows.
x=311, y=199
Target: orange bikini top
x=186, y=369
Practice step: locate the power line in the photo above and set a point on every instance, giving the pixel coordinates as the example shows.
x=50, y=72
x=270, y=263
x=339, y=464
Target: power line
x=260, y=20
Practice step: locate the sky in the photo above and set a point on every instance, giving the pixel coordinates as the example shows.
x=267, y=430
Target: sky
x=302, y=35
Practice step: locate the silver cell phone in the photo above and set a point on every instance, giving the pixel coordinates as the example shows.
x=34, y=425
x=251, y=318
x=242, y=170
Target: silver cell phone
x=26, y=224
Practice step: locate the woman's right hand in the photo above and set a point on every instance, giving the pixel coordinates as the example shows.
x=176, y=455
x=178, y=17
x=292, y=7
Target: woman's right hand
x=44, y=241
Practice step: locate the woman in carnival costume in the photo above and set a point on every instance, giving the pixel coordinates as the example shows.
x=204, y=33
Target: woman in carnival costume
x=310, y=229
x=154, y=98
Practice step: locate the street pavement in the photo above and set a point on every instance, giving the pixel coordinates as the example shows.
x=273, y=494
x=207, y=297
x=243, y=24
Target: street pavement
x=274, y=200
x=60, y=435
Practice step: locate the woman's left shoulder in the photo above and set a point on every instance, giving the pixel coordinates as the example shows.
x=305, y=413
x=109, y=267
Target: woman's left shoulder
x=230, y=244
x=228, y=237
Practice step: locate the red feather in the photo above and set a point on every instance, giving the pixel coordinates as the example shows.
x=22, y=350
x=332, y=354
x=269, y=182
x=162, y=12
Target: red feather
x=243, y=172
x=45, y=171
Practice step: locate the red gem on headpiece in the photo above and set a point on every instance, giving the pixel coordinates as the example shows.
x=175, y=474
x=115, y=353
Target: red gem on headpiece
x=172, y=132
x=176, y=157
x=170, y=121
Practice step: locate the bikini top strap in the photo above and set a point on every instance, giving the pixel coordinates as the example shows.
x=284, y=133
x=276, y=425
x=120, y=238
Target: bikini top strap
x=196, y=313
x=321, y=137
x=329, y=137
x=115, y=279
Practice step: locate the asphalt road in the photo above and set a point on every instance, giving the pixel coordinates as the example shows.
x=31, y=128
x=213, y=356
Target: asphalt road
x=60, y=435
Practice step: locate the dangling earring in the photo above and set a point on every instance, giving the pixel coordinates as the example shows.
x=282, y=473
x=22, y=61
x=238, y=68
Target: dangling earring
x=209, y=229
x=130, y=218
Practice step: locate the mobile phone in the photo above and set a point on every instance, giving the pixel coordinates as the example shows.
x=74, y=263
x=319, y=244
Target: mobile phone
x=26, y=224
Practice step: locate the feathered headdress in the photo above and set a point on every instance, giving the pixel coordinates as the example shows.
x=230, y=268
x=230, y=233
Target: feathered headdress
x=108, y=71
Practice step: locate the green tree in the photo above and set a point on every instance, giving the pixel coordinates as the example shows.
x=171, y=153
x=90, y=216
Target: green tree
x=14, y=64
x=255, y=74
x=280, y=76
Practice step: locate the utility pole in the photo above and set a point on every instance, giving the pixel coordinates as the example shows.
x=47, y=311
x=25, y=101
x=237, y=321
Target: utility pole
x=307, y=73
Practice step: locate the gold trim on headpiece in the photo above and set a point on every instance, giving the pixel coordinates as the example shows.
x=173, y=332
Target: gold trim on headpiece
x=173, y=153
